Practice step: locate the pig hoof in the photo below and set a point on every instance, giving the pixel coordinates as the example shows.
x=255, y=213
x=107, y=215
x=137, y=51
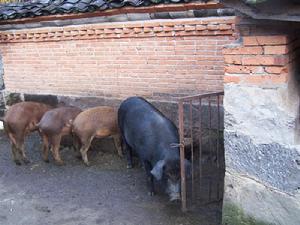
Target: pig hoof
x=78, y=157
x=26, y=161
x=60, y=163
x=87, y=164
x=129, y=166
x=17, y=162
x=151, y=193
x=46, y=160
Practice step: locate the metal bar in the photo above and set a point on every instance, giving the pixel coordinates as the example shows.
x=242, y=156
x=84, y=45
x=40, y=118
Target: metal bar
x=192, y=148
x=182, y=168
x=209, y=128
x=218, y=187
x=218, y=130
x=194, y=97
x=214, y=99
x=200, y=144
x=210, y=144
x=209, y=189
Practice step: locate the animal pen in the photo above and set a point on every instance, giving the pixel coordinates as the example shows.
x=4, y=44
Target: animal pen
x=201, y=132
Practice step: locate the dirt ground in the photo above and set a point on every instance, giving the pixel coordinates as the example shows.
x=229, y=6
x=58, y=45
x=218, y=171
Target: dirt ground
x=105, y=193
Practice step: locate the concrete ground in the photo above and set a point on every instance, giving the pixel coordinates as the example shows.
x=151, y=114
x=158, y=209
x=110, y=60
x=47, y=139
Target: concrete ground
x=105, y=193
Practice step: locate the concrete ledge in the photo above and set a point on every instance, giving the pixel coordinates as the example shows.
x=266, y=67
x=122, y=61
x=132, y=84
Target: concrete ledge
x=247, y=202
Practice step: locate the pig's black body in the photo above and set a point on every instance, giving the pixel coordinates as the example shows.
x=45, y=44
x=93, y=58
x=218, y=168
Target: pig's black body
x=152, y=136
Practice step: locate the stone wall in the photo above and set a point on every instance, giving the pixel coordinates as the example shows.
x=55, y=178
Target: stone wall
x=262, y=152
x=2, y=102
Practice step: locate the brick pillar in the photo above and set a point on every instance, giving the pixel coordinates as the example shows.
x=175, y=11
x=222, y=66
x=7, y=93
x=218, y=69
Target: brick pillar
x=2, y=103
x=261, y=109
x=259, y=60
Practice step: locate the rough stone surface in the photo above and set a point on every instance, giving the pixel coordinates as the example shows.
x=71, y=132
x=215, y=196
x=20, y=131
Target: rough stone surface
x=1, y=74
x=266, y=115
x=272, y=164
x=2, y=102
x=258, y=202
x=168, y=108
x=12, y=98
x=262, y=144
x=2, y=105
x=260, y=131
x=48, y=99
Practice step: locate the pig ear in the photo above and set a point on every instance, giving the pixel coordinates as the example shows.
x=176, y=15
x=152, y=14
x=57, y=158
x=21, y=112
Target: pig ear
x=157, y=170
x=69, y=123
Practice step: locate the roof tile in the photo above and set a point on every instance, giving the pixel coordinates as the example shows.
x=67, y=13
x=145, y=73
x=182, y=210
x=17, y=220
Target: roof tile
x=51, y=7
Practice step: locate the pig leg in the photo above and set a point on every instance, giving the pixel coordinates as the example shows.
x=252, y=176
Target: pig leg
x=55, y=150
x=150, y=184
x=15, y=154
x=76, y=146
x=117, y=142
x=45, y=148
x=14, y=149
x=22, y=150
x=20, y=138
x=128, y=153
x=84, y=148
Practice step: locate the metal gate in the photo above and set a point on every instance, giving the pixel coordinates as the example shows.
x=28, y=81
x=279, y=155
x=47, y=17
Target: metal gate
x=201, y=142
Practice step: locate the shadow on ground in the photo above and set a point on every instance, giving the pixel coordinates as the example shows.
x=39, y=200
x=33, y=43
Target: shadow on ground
x=105, y=193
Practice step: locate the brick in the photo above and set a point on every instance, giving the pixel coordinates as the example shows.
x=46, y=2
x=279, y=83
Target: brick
x=178, y=27
x=273, y=40
x=276, y=69
x=232, y=79
x=233, y=59
x=168, y=28
x=212, y=27
x=201, y=27
x=108, y=31
x=257, y=50
x=225, y=27
x=235, y=69
x=250, y=41
x=147, y=29
x=157, y=29
x=266, y=80
x=189, y=27
x=265, y=60
x=137, y=29
x=276, y=50
x=265, y=40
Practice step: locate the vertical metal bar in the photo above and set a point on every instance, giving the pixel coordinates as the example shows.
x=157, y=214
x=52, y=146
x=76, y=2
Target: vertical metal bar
x=209, y=189
x=200, y=144
x=218, y=147
x=210, y=145
x=192, y=148
x=218, y=130
x=182, y=168
x=209, y=128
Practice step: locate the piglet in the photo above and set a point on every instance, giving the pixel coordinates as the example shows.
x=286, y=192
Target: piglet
x=96, y=122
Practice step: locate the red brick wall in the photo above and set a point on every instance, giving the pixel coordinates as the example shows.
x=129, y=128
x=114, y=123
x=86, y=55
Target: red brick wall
x=118, y=60
x=259, y=60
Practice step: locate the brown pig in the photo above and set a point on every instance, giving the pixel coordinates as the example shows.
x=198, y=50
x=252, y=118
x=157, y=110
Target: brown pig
x=20, y=120
x=53, y=126
x=96, y=122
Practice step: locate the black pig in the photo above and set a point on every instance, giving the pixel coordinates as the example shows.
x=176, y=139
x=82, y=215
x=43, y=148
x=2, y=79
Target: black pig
x=152, y=136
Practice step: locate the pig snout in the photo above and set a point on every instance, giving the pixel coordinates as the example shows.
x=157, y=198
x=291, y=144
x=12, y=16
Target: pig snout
x=174, y=191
